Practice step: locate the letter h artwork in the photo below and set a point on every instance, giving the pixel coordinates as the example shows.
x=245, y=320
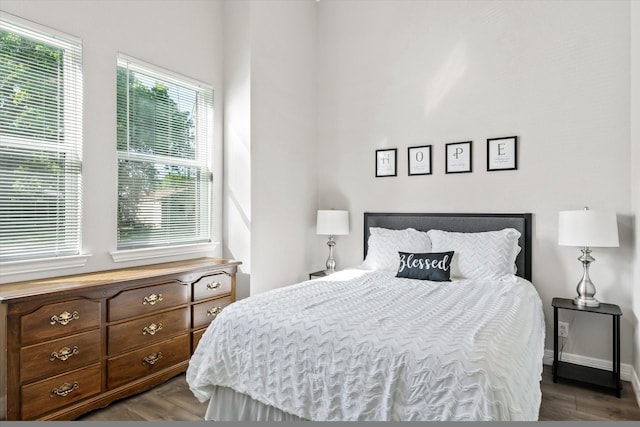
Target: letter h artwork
x=386, y=162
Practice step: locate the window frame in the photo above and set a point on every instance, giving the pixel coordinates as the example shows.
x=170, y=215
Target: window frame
x=71, y=145
x=188, y=249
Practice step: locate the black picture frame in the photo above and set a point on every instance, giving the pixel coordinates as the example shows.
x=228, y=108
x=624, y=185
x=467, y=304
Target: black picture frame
x=419, y=160
x=459, y=157
x=387, y=162
x=502, y=153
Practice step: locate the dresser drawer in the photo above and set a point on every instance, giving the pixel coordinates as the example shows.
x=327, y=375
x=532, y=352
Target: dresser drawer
x=211, y=286
x=145, y=361
x=63, y=318
x=205, y=312
x=147, y=330
x=61, y=355
x=196, y=336
x=137, y=302
x=53, y=393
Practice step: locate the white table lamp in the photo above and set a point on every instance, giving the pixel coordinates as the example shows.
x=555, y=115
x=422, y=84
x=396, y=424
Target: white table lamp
x=586, y=228
x=332, y=223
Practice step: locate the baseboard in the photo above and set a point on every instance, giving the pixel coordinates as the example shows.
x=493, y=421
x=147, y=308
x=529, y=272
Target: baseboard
x=627, y=373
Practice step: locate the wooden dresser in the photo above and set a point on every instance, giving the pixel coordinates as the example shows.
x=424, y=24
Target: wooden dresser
x=77, y=343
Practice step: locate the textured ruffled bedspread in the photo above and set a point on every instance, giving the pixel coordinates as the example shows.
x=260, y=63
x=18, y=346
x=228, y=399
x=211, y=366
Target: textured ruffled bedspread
x=364, y=345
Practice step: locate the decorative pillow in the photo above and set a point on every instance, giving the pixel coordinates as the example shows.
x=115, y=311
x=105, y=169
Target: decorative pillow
x=384, y=245
x=433, y=266
x=482, y=255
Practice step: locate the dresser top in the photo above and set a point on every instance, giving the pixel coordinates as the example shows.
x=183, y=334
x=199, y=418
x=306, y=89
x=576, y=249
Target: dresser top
x=28, y=288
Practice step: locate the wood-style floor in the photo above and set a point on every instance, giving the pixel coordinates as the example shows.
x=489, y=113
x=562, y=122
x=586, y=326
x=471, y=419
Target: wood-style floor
x=565, y=401
x=173, y=401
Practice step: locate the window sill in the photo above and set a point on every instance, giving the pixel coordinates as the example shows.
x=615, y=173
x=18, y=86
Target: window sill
x=204, y=249
x=44, y=264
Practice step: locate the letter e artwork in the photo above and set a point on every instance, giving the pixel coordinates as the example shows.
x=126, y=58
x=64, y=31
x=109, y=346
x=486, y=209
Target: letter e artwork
x=502, y=153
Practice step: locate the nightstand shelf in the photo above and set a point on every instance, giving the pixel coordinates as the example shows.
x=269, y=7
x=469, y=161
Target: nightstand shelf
x=601, y=377
x=586, y=374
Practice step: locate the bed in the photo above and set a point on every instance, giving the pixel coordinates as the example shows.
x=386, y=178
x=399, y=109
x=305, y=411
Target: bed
x=440, y=322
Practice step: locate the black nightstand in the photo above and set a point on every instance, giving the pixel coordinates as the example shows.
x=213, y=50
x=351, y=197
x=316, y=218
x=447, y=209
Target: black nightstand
x=316, y=274
x=601, y=377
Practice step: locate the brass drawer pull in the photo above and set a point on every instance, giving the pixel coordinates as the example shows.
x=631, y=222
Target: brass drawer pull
x=64, y=353
x=64, y=389
x=152, y=299
x=152, y=358
x=64, y=318
x=152, y=329
x=214, y=285
x=214, y=311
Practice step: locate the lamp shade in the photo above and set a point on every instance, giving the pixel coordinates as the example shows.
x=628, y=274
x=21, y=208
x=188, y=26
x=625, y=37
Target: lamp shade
x=332, y=222
x=587, y=228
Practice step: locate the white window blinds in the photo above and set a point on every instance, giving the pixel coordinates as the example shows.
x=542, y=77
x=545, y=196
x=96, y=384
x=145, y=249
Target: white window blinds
x=164, y=157
x=40, y=142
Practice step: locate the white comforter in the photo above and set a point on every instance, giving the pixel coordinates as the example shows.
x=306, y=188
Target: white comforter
x=364, y=345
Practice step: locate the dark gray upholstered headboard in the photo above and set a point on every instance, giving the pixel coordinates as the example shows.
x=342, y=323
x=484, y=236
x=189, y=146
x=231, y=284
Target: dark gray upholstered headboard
x=462, y=222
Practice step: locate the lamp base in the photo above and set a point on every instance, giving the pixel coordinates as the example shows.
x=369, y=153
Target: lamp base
x=581, y=301
x=586, y=290
x=331, y=263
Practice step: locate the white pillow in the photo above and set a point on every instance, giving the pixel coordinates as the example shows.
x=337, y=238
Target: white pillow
x=384, y=245
x=482, y=255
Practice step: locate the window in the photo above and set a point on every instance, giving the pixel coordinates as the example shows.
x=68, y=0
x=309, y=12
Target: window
x=40, y=142
x=164, y=138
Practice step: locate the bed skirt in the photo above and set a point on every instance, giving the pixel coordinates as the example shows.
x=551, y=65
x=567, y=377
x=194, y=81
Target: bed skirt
x=227, y=404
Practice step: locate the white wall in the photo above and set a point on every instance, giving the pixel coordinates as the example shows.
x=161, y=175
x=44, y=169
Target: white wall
x=270, y=137
x=393, y=74
x=283, y=131
x=237, y=140
x=172, y=37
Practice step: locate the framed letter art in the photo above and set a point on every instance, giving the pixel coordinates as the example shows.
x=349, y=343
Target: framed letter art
x=386, y=162
x=502, y=153
x=458, y=157
x=420, y=160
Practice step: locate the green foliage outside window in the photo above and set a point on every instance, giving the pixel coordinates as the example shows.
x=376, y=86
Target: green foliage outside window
x=29, y=106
